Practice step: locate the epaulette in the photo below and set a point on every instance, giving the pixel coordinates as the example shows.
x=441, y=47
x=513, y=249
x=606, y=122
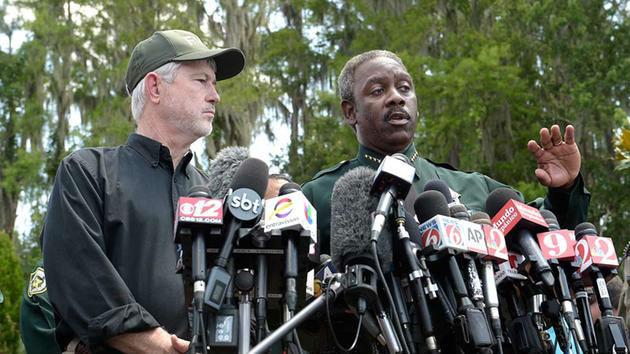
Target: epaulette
x=330, y=169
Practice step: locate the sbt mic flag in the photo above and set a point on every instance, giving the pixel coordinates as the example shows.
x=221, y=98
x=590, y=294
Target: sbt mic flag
x=291, y=212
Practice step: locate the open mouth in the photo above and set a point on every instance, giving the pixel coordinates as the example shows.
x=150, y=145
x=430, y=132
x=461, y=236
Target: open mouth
x=398, y=118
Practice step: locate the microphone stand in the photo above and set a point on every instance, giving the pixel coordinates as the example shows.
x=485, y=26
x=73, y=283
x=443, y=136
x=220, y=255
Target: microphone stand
x=244, y=282
x=335, y=289
x=260, y=241
x=290, y=276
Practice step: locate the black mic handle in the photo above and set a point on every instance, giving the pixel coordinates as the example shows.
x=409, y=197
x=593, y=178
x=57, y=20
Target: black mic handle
x=574, y=324
x=524, y=336
x=601, y=292
x=584, y=311
x=290, y=270
x=459, y=287
x=261, y=295
x=198, y=342
x=529, y=248
x=415, y=275
x=401, y=309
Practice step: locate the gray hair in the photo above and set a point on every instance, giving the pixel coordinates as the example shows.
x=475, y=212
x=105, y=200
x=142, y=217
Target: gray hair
x=346, y=77
x=167, y=72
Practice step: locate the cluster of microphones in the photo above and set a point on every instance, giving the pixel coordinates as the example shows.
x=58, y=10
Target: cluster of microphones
x=420, y=272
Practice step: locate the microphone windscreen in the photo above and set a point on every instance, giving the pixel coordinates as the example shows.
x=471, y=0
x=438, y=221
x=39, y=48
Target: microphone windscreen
x=583, y=229
x=199, y=192
x=440, y=186
x=551, y=219
x=429, y=204
x=497, y=199
x=289, y=188
x=223, y=168
x=351, y=209
x=253, y=174
x=479, y=217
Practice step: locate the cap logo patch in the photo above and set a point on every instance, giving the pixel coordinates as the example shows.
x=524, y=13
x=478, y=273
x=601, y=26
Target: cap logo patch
x=191, y=40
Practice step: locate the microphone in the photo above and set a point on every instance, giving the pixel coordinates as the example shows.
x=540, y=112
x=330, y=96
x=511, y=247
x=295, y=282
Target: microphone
x=392, y=181
x=518, y=221
x=554, y=246
x=223, y=168
x=300, y=216
x=597, y=255
x=351, y=209
x=446, y=233
x=195, y=216
x=494, y=240
x=198, y=214
x=243, y=204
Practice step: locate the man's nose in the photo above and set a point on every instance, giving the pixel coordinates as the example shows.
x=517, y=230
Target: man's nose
x=213, y=95
x=395, y=98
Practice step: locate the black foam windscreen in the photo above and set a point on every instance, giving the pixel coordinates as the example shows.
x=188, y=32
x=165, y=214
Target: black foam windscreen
x=289, y=188
x=222, y=169
x=479, y=217
x=498, y=198
x=199, y=192
x=429, y=204
x=551, y=219
x=351, y=211
x=440, y=186
x=253, y=174
x=583, y=229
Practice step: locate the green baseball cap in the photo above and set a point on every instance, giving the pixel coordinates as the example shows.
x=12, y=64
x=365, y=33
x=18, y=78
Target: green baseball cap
x=177, y=45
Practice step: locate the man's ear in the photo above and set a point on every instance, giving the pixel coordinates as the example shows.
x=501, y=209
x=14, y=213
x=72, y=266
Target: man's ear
x=349, y=113
x=153, y=87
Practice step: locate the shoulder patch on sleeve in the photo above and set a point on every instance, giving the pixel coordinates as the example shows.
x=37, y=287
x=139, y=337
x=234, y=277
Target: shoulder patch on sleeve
x=37, y=282
x=330, y=169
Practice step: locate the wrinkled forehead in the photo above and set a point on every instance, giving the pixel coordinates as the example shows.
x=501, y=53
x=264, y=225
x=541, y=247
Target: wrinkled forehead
x=378, y=69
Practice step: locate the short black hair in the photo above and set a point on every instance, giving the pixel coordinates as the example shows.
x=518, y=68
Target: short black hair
x=284, y=176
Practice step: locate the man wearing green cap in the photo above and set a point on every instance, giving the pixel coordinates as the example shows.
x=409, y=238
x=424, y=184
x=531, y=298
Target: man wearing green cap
x=108, y=246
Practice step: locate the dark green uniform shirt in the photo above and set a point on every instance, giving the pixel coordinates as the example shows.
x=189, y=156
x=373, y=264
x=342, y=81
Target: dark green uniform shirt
x=37, y=319
x=569, y=206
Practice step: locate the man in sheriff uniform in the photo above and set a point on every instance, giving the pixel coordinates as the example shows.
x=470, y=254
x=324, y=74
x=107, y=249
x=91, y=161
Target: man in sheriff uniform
x=378, y=101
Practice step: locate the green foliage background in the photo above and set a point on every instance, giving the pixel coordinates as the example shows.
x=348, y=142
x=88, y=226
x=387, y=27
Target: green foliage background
x=488, y=75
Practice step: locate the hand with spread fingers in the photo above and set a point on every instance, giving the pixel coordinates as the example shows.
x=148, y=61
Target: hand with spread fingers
x=558, y=160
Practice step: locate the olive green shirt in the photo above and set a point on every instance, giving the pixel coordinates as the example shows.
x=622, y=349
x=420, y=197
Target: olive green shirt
x=569, y=206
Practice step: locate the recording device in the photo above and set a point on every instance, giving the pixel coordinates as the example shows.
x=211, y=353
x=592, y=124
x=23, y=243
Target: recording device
x=242, y=204
x=392, y=181
x=519, y=222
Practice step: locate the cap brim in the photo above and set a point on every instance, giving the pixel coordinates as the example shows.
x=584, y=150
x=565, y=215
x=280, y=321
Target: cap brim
x=230, y=61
